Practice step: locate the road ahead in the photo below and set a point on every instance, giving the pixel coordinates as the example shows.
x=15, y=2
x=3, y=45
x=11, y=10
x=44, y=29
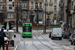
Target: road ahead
x=41, y=42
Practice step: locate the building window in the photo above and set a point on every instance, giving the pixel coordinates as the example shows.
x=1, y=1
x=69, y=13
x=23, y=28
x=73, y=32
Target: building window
x=24, y=14
x=1, y=0
x=24, y=5
x=36, y=4
x=40, y=14
x=54, y=8
x=55, y=15
x=10, y=6
x=40, y=6
x=55, y=1
x=10, y=15
x=1, y=6
x=72, y=5
x=50, y=1
x=10, y=0
x=50, y=8
x=32, y=5
x=46, y=8
x=45, y=0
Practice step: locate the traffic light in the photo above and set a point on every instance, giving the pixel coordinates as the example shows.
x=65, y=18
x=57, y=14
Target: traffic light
x=10, y=25
x=5, y=23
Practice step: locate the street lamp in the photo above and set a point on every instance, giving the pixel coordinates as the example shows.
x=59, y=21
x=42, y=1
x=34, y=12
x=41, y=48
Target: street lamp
x=37, y=17
x=45, y=18
x=17, y=17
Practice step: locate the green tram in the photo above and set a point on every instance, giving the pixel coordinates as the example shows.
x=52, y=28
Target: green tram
x=27, y=30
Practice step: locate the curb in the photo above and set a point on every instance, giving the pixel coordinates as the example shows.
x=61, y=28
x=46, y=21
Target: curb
x=45, y=33
x=16, y=31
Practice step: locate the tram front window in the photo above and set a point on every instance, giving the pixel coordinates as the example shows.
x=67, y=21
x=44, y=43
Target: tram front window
x=27, y=29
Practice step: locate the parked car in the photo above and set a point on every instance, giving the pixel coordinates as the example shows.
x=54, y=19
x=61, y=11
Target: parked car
x=10, y=38
x=70, y=38
x=73, y=40
x=66, y=35
x=63, y=32
x=56, y=33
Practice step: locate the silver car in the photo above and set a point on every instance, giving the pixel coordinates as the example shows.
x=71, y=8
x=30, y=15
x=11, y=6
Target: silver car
x=70, y=38
x=73, y=40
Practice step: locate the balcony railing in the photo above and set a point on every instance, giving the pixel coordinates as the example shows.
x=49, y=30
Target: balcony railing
x=25, y=7
x=51, y=3
x=50, y=12
x=61, y=4
x=32, y=7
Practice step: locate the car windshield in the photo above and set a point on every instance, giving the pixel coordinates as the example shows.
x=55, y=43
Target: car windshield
x=27, y=29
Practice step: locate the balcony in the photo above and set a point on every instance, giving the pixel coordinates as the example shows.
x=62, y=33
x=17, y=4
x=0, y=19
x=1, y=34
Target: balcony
x=2, y=10
x=61, y=12
x=50, y=12
x=10, y=10
x=46, y=3
x=46, y=12
x=51, y=3
x=61, y=4
x=24, y=8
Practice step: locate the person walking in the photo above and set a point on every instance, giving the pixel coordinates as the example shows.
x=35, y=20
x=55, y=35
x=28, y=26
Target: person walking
x=2, y=35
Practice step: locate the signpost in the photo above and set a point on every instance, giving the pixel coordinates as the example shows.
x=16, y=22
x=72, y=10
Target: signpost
x=44, y=24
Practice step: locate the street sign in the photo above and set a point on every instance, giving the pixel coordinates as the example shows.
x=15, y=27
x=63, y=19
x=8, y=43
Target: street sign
x=42, y=12
x=44, y=24
x=50, y=23
x=64, y=24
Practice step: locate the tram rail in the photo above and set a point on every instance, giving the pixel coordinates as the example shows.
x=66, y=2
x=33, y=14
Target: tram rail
x=49, y=40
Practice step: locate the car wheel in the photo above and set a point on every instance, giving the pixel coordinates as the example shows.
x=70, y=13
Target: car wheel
x=31, y=37
x=64, y=37
x=52, y=38
x=12, y=43
x=49, y=36
x=60, y=38
x=71, y=43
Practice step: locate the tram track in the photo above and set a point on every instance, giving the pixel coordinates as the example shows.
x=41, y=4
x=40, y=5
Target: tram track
x=23, y=39
x=42, y=43
x=50, y=42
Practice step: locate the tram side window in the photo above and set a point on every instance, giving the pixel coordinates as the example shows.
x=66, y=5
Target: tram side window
x=27, y=29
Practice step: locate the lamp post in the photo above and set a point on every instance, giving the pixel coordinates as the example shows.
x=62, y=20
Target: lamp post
x=74, y=18
x=17, y=19
x=37, y=17
x=45, y=18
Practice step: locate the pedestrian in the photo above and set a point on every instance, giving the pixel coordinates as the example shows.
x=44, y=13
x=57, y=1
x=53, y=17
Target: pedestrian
x=2, y=35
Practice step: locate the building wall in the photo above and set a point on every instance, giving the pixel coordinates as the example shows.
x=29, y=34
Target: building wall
x=2, y=11
x=53, y=12
x=34, y=10
x=65, y=14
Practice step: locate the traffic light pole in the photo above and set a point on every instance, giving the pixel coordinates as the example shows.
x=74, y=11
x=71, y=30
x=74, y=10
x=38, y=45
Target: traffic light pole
x=45, y=18
x=37, y=17
x=17, y=19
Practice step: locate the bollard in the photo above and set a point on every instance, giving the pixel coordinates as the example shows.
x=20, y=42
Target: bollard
x=6, y=46
x=7, y=41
